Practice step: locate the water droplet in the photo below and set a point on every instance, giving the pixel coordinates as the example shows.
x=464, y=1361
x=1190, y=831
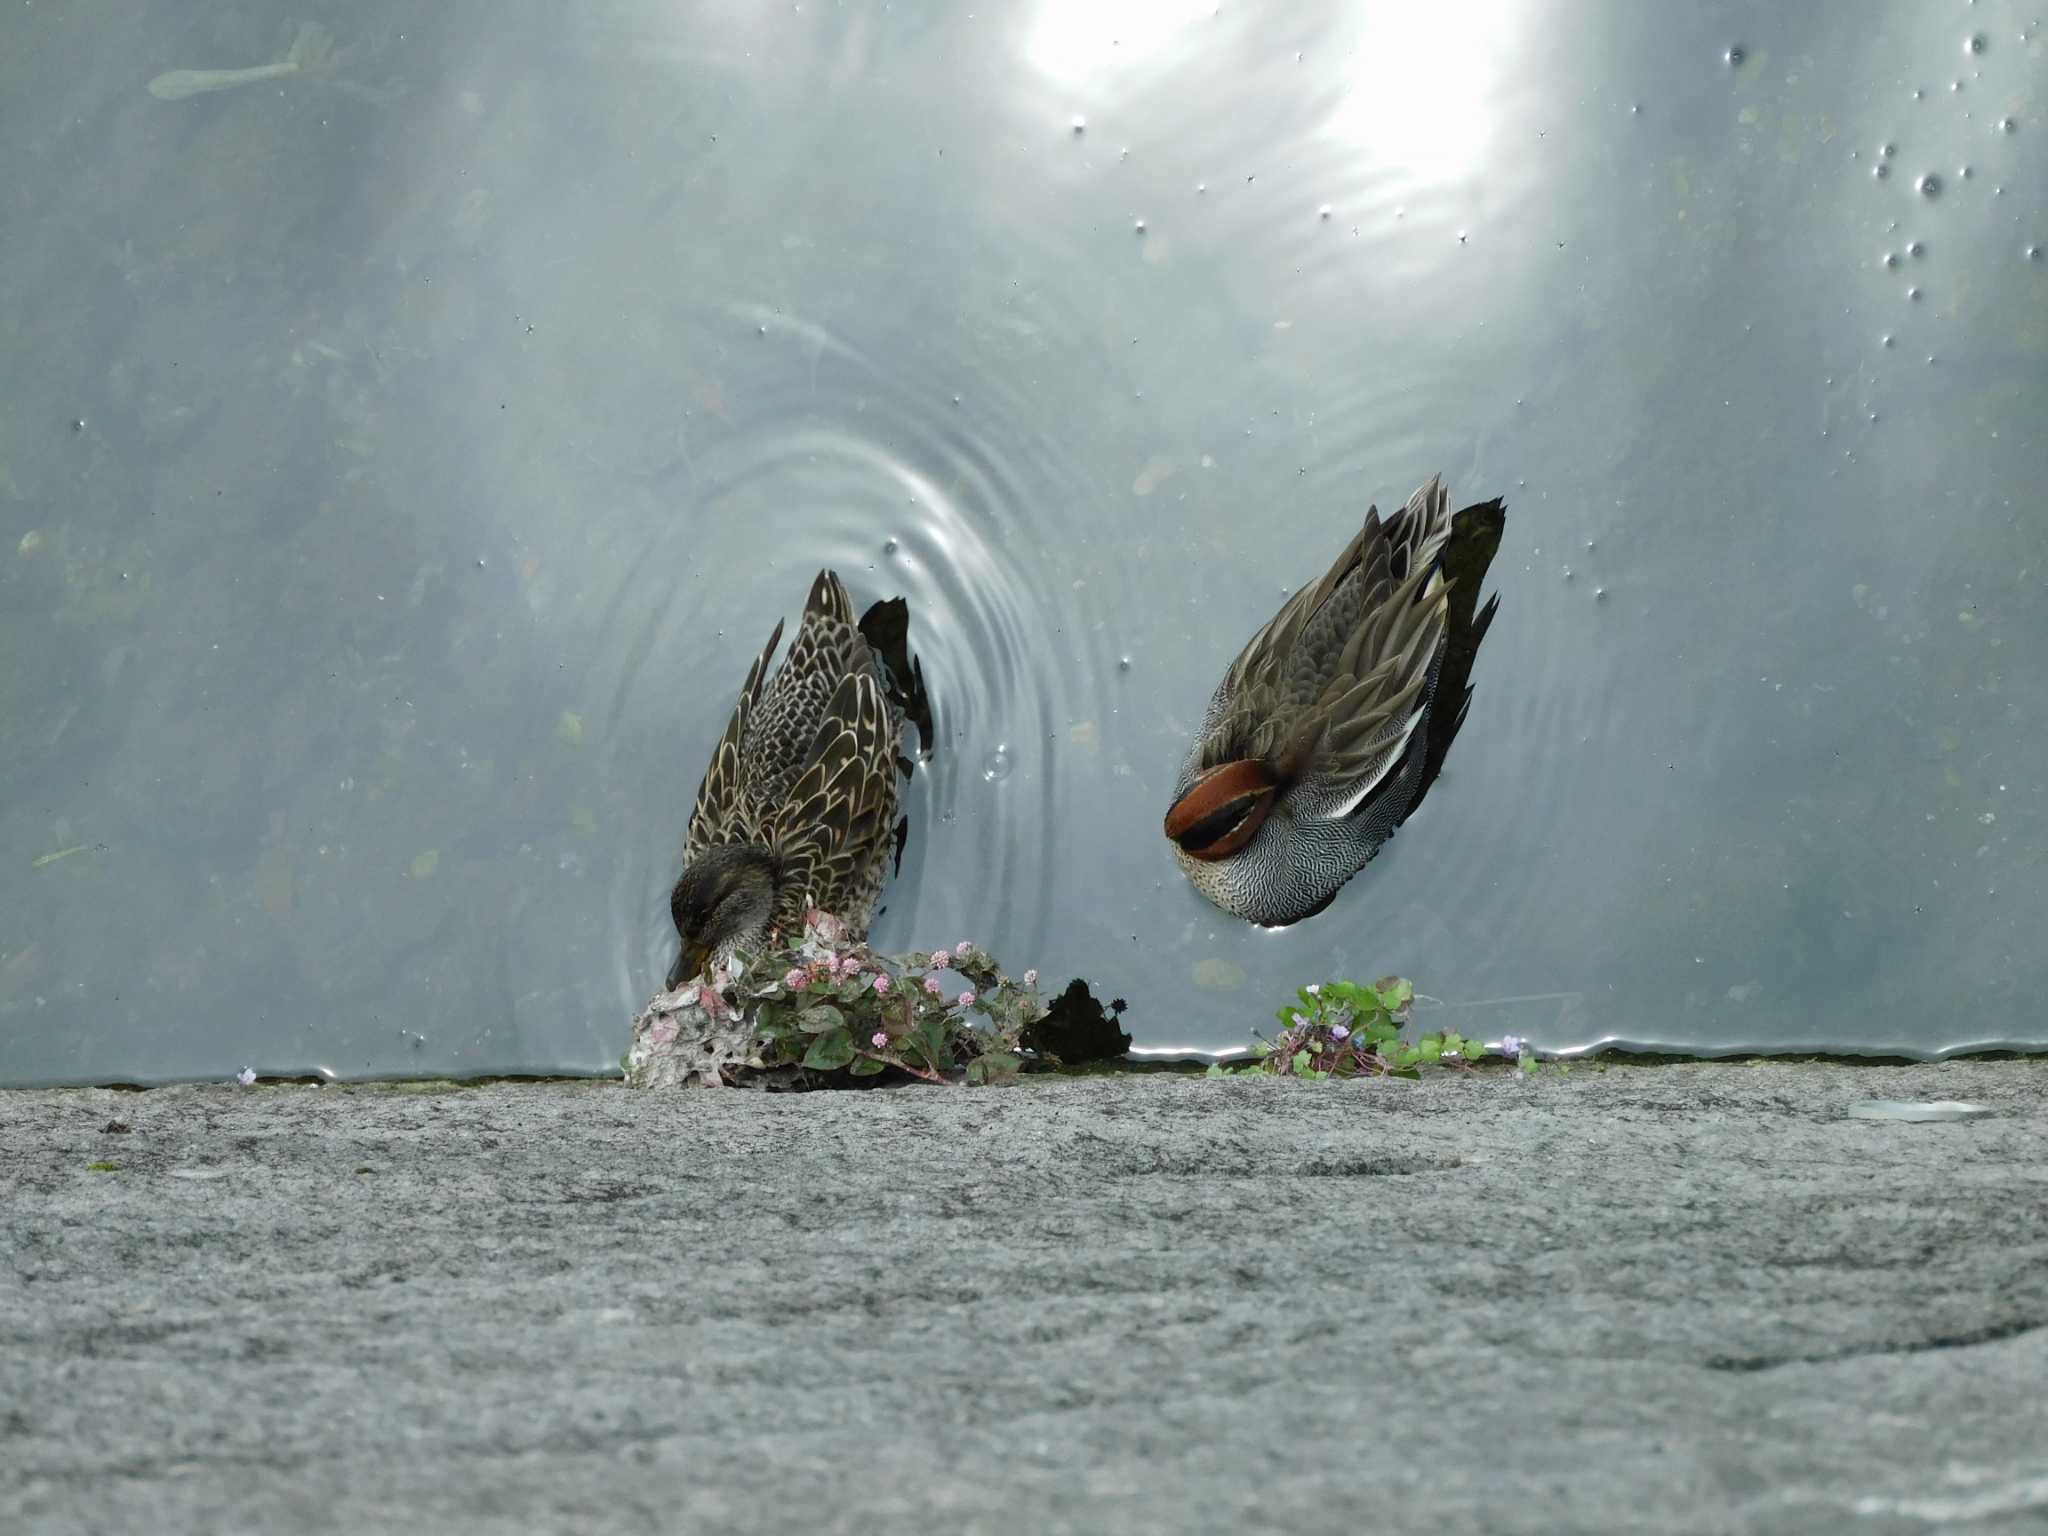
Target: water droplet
x=1080, y=125
x=996, y=766
x=1138, y=226
x=1891, y=259
x=1635, y=109
x=2033, y=253
x=1599, y=594
x=1916, y=249
x=1887, y=340
x=889, y=546
x=1323, y=212
x=1881, y=171
x=78, y=424
x=1929, y=185
x=1912, y=295
x=2008, y=125
x=1589, y=543
x=1567, y=573
x=1887, y=150
x=1734, y=55
x=1965, y=172
x=1201, y=186
x=1123, y=663
x=1976, y=43
x=479, y=562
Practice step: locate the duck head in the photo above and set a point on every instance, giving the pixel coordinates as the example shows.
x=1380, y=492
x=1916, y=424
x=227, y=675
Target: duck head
x=1223, y=809
x=724, y=902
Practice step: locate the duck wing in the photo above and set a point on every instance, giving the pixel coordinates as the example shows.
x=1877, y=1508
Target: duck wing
x=835, y=820
x=721, y=812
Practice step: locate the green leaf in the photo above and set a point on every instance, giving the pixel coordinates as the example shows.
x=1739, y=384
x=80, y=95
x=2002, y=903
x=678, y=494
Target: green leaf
x=1405, y=1057
x=820, y=1017
x=995, y=1067
x=1528, y=1065
x=1303, y=1061
x=866, y=1066
x=1215, y=1069
x=1395, y=992
x=1429, y=1048
x=1263, y=1048
x=830, y=1051
x=930, y=1038
x=1472, y=1050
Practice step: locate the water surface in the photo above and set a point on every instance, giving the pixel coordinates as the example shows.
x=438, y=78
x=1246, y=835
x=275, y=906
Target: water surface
x=403, y=455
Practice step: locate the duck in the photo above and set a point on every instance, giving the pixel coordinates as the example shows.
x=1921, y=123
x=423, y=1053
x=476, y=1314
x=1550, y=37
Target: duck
x=1333, y=722
x=799, y=810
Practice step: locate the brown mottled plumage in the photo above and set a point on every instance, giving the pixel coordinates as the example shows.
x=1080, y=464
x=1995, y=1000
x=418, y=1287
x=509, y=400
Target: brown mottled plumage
x=799, y=804
x=1331, y=724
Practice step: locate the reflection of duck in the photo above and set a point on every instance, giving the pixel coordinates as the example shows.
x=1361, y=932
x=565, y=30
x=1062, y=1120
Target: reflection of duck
x=799, y=803
x=1331, y=725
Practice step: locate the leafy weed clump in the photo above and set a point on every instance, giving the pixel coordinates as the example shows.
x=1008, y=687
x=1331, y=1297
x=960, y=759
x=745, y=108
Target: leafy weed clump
x=1343, y=1029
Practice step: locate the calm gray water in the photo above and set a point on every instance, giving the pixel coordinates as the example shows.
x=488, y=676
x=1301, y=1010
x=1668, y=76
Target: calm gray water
x=403, y=454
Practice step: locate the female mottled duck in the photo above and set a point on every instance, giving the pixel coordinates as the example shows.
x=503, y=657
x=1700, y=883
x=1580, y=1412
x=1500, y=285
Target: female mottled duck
x=799, y=805
x=1331, y=725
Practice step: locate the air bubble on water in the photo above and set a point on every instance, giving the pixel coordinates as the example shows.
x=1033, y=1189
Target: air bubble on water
x=996, y=766
x=1080, y=125
x=1966, y=172
x=78, y=423
x=1138, y=226
x=1891, y=259
x=1323, y=212
x=1886, y=340
x=1123, y=663
x=479, y=562
x=1916, y=249
x=1599, y=594
x=1976, y=43
x=1589, y=543
x=2033, y=253
x=889, y=546
x=1929, y=185
x=1887, y=150
x=1912, y=295
x=1880, y=170
x=2008, y=125
x=1635, y=109
x=1733, y=55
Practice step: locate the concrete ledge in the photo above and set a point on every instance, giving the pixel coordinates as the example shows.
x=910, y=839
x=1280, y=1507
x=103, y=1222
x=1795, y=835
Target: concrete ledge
x=1677, y=1298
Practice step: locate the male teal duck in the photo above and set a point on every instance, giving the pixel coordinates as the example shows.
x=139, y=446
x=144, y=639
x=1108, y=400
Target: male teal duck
x=1329, y=728
x=799, y=806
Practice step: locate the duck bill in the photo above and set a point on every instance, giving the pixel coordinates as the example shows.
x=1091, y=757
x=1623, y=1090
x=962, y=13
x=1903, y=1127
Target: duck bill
x=1223, y=809
x=690, y=963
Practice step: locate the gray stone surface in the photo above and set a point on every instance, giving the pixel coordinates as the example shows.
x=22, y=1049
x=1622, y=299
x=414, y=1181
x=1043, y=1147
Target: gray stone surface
x=1691, y=1297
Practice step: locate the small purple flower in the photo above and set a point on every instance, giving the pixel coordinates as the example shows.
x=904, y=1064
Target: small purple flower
x=964, y=948
x=931, y=985
x=246, y=1076
x=966, y=999
x=940, y=959
x=1340, y=1031
x=796, y=980
x=1300, y=1022
x=880, y=1040
x=1511, y=1046
x=882, y=985
x=1031, y=978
